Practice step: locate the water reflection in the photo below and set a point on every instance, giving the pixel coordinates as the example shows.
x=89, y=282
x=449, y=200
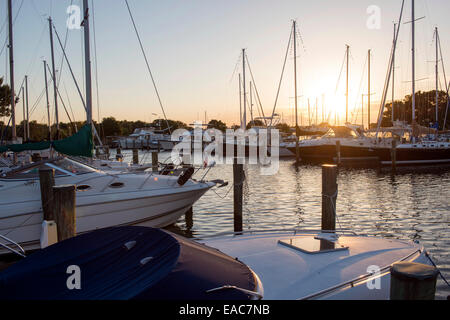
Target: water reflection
x=410, y=205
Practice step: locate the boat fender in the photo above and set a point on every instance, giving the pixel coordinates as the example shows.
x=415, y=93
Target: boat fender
x=185, y=176
x=48, y=234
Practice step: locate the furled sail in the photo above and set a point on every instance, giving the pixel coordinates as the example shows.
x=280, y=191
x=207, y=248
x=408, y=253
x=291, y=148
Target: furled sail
x=79, y=144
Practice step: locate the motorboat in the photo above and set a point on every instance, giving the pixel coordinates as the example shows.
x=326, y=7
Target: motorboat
x=103, y=199
x=147, y=138
x=145, y=263
x=313, y=264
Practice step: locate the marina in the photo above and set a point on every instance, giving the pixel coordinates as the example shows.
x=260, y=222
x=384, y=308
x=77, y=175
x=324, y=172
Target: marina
x=333, y=207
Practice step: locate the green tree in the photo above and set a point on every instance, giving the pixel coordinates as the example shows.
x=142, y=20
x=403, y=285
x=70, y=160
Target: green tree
x=425, y=109
x=5, y=99
x=111, y=126
x=217, y=124
x=255, y=123
x=283, y=127
x=173, y=124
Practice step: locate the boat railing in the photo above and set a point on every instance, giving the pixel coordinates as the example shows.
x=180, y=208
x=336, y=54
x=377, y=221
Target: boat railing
x=358, y=280
x=295, y=231
x=10, y=244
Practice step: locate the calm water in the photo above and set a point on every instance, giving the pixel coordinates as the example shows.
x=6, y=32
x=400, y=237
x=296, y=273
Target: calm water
x=411, y=205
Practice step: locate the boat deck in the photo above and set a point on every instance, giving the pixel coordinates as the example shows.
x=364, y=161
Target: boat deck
x=324, y=274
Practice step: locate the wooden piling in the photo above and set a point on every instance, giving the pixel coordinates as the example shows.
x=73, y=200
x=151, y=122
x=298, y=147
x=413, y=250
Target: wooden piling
x=47, y=181
x=238, y=179
x=338, y=152
x=413, y=281
x=155, y=167
x=394, y=155
x=64, y=211
x=135, y=156
x=189, y=218
x=329, y=196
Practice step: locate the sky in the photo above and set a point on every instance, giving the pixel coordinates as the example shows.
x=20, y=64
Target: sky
x=194, y=46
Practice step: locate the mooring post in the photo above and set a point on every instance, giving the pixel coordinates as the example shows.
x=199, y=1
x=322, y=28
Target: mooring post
x=338, y=152
x=135, y=156
x=413, y=281
x=238, y=179
x=394, y=155
x=64, y=211
x=155, y=161
x=189, y=218
x=47, y=181
x=329, y=196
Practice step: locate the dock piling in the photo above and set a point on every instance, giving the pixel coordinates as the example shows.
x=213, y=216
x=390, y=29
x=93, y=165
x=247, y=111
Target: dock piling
x=47, y=181
x=155, y=161
x=413, y=281
x=135, y=156
x=394, y=155
x=338, y=152
x=238, y=179
x=329, y=196
x=64, y=211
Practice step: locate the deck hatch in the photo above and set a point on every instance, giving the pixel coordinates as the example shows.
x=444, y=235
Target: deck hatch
x=312, y=245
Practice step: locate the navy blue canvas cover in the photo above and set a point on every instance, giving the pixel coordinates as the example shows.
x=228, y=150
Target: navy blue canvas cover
x=174, y=268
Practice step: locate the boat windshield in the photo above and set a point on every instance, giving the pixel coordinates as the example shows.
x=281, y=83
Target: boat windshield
x=340, y=132
x=63, y=167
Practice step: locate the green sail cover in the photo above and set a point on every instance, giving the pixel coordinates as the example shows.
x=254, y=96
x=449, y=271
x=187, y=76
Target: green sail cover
x=79, y=144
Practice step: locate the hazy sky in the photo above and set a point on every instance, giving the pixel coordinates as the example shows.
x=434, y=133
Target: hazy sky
x=193, y=48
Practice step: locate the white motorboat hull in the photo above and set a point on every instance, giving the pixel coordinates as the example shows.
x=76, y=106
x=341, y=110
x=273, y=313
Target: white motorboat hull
x=287, y=273
x=151, y=211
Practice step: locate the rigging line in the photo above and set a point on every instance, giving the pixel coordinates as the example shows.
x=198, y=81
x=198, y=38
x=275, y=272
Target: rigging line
x=60, y=97
x=256, y=89
x=37, y=101
x=282, y=73
x=70, y=68
x=62, y=57
x=70, y=104
x=14, y=21
x=388, y=73
x=236, y=66
x=96, y=64
x=148, y=66
x=359, y=92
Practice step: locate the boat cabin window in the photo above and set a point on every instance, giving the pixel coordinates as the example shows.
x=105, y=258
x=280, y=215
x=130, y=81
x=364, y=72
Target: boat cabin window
x=312, y=245
x=63, y=167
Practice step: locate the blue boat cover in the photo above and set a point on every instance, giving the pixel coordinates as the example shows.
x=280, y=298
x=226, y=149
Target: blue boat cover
x=158, y=265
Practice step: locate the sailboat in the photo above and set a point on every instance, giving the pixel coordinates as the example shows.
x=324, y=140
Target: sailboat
x=102, y=199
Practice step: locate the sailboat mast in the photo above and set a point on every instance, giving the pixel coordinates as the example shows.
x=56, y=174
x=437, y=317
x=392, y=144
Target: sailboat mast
x=243, y=86
x=87, y=62
x=393, y=76
x=55, y=89
x=346, y=90
x=24, y=115
x=368, y=91
x=297, y=150
x=240, y=101
x=251, y=103
x=48, y=104
x=27, y=111
x=413, y=66
x=11, y=73
x=317, y=112
x=437, y=80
